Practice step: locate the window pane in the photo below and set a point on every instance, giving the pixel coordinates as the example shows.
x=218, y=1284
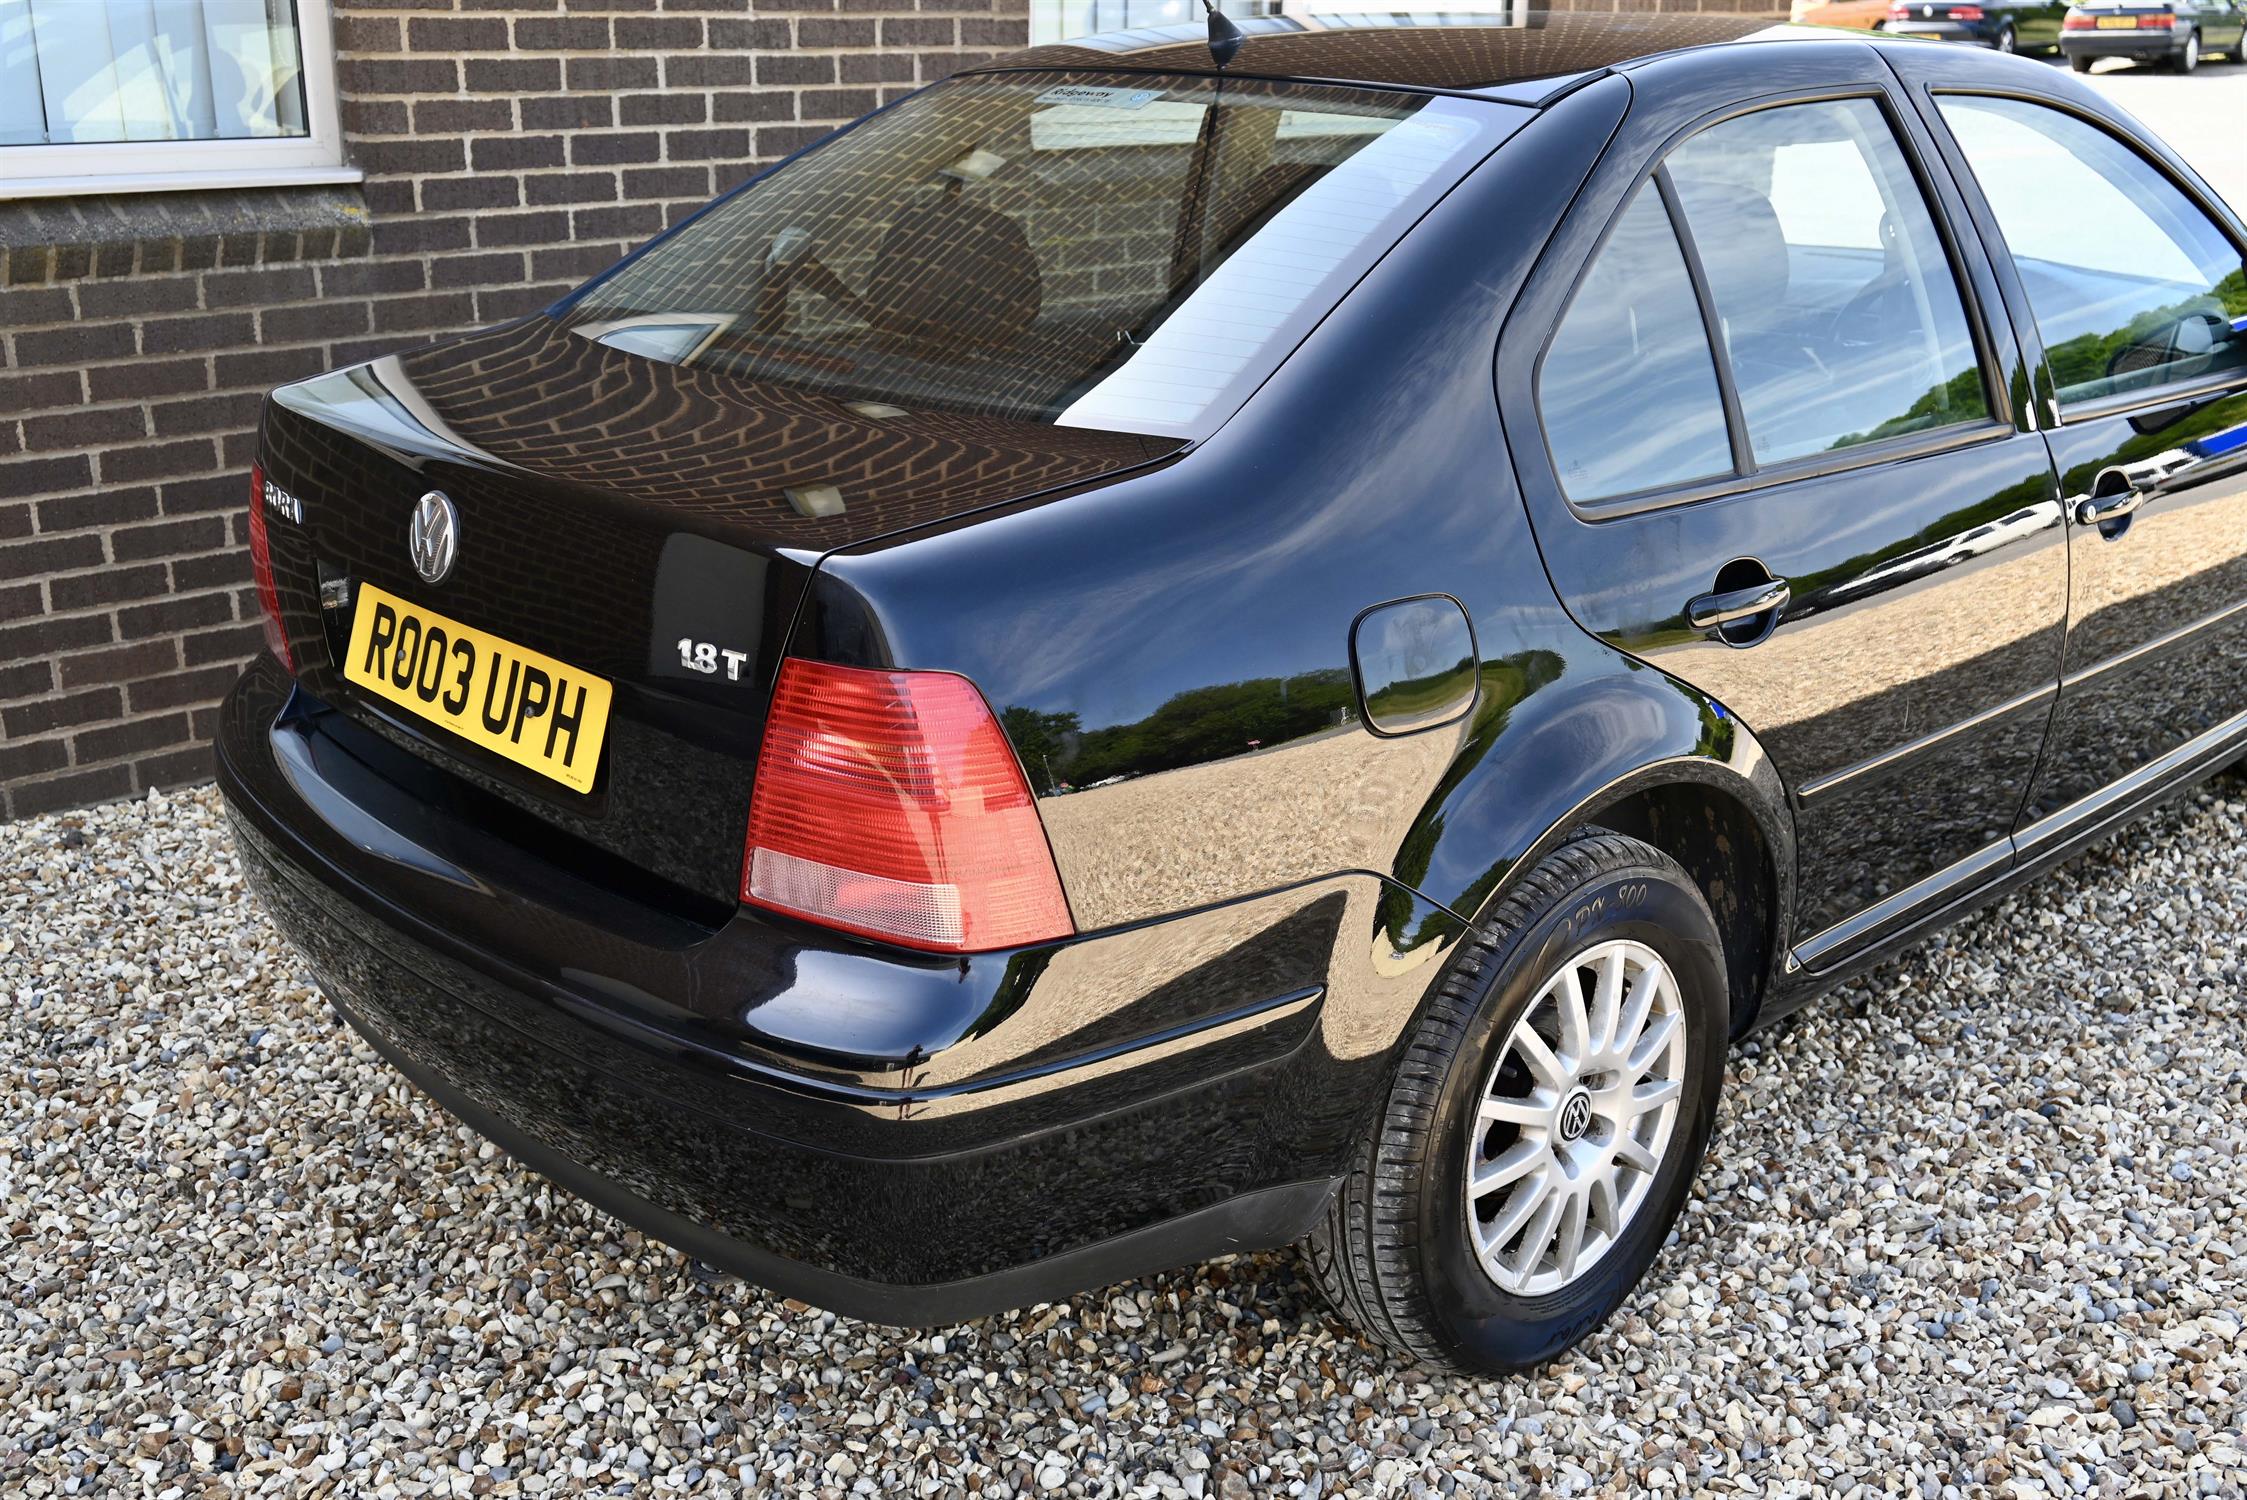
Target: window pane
x=2130, y=283
x=1107, y=251
x=1628, y=390
x=93, y=71
x=1838, y=308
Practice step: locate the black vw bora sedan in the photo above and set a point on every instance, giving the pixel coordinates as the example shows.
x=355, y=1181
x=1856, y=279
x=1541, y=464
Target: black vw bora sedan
x=1130, y=660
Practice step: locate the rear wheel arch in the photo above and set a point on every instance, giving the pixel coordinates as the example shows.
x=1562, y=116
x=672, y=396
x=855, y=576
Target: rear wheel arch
x=1727, y=825
x=1608, y=743
x=1711, y=832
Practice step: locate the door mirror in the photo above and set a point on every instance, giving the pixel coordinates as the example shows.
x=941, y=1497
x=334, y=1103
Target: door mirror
x=2183, y=347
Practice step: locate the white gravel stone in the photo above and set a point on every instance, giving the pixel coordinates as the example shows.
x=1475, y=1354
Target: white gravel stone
x=1969, y=1230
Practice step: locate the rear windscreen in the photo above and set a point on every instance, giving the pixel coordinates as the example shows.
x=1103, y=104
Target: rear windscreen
x=1091, y=250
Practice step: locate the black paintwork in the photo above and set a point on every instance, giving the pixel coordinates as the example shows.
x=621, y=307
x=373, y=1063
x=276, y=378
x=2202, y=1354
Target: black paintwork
x=1265, y=887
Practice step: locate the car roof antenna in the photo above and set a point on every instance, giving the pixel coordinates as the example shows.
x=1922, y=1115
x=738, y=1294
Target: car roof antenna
x=1224, y=37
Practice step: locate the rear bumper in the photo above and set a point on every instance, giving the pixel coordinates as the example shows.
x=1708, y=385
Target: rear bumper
x=2143, y=46
x=1252, y=1220
x=899, y=1139
x=1979, y=33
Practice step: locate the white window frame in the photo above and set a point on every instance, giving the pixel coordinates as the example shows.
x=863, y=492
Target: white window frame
x=74, y=170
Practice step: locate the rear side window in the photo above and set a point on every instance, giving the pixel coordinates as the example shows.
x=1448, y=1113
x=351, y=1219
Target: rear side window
x=2130, y=283
x=1125, y=252
x=1840, y=318
x=1628, y=390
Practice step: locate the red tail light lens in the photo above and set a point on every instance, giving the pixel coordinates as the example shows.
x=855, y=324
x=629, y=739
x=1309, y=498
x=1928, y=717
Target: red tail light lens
x=891, y=805
x=2157, y=23
x=2079, y=23
x=261, y=569
x=1963, y=13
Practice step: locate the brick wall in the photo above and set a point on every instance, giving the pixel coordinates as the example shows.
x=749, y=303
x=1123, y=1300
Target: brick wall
x=512, y=147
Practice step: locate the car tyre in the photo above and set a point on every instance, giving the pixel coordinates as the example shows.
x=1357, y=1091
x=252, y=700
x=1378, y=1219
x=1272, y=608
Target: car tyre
x=2187, y=57
x=2007, y=39
x=1395, y=1253
x=2081, y=62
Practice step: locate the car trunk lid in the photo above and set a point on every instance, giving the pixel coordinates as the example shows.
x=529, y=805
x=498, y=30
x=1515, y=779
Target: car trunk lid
x=650, y=524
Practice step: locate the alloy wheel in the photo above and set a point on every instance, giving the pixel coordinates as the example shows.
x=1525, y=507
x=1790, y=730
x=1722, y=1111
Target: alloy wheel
x=1575, y=1117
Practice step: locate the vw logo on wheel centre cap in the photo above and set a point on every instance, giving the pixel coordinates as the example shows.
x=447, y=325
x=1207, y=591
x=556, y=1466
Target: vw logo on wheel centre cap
x=1576, y=1116
x=434, y=538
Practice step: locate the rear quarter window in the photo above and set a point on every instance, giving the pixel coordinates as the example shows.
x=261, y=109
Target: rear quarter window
x=1628, y=389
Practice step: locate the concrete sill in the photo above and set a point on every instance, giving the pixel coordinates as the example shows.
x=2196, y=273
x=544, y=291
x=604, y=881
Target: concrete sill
x=90, y=186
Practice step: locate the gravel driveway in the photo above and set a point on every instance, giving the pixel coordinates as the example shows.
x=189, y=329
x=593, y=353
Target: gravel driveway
x=1969, y=1230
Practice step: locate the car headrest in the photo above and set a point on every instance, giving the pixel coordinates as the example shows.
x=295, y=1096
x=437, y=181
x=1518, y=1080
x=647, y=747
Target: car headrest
x=955, y=274
x=1742, y=247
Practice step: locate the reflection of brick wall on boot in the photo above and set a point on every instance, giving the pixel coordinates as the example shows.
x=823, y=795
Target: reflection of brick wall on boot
x=703, y=441
x=549, y=570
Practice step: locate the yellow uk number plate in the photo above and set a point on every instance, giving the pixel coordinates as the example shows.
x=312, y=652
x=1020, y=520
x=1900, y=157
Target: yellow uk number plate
x=532, y=709
x=2118, y=23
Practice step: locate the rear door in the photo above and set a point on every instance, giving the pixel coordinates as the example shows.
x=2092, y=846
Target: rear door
x=2132, y=290
x=1771, y=445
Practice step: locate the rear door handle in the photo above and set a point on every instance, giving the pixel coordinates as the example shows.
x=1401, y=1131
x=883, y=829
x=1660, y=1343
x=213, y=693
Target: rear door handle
x=2101, y=510
x=1712, y=610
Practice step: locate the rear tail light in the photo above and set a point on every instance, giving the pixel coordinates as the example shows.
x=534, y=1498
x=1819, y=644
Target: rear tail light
x=1899, y=12
x=1963, y=13
x=890, y=804
x=2080, y=23
x=261, y=569
x=2157, y=23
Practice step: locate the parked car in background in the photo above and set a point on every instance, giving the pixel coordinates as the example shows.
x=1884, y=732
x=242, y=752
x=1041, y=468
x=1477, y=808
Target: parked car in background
x=1537, y=562
x=2175, y=34
x=2002, y=25
x=1852, y=15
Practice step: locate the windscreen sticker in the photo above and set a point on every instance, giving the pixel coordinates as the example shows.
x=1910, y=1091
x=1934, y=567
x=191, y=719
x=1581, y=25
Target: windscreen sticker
x=1098, y=98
